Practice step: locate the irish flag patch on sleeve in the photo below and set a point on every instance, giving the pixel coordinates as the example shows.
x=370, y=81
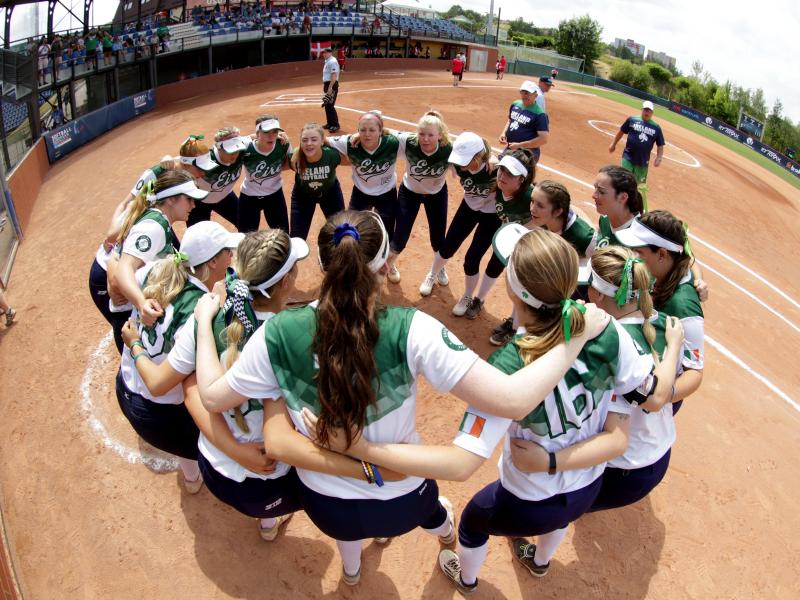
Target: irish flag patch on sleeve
x=472, y=425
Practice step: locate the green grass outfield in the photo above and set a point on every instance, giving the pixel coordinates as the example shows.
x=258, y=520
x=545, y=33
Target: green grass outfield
x=663, y=114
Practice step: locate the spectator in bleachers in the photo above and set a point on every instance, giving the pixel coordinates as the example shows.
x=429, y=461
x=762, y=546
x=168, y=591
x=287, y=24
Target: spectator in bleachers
x=364, y=25
x=376, y=25
x=116, y=48
x=107, y=43
x=43, y=52
x=57, y=48
x=307, y=24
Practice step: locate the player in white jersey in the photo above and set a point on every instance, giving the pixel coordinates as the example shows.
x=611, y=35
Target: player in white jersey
x=663, y=243
x=541, y=277
x=477, y=170
x=355, y=363
x=174, y=283
x=221, y=169
x=146, y=235
x=620, y=283
x=426, y=153
x=372, y=154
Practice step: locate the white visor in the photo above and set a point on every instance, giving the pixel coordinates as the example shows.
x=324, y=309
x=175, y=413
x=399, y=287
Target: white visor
x=235, y=144
x=270, y=125
x=206, y=162
x=465, y=147
x=639, y=234
x=601, y=285
x=505, y=240
x=187, y=188
x=383, y=252
x=299, y=251
x=513, y=166
x=187, y=160
x=521, y=293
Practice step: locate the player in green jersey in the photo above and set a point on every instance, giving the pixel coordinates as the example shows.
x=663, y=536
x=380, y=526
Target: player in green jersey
x=372, y=153
x=221, y=169
x=426, y=153
x=262, y=189
x=315, y=181
x=662, y=242
x=550, y=209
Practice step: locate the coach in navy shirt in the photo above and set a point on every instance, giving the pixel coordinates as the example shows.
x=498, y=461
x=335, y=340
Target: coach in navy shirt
x=643, y=133
x=527, y=125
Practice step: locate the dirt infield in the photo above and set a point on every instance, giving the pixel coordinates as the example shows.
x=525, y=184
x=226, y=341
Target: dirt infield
x=86, y=519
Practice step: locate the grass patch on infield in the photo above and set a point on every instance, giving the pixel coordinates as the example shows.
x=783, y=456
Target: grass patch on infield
x=662, y=114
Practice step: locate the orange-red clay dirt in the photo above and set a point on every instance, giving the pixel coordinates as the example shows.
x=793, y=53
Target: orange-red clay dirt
x=86, y=520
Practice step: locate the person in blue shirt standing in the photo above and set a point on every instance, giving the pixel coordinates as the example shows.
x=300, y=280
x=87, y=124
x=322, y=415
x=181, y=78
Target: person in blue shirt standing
x=527, y=125
x=643, y=133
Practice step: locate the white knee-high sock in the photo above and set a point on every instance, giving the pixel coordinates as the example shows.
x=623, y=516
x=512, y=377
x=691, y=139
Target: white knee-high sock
x=438, y=263
x=442, y=530
x=486, y=285
x=547, y=545
x=268, y=523
x=351, y=556
x=470, y=283
x=190, y=468
x=472, y=560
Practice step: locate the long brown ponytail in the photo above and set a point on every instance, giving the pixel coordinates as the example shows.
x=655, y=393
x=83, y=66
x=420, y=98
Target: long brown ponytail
x=669, y=226
x=347, y=327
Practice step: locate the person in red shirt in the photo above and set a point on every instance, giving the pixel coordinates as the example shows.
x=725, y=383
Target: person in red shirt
x=342, y=57
x=501, y=67
x=457, y=69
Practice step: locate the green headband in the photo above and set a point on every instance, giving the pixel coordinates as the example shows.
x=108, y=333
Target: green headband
x=626, y=293
x=566, y=315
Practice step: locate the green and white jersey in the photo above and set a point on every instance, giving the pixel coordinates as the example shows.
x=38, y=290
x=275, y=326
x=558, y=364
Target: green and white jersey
x=578, y=233
x=515, y=210
x=150, y=238
x=149, y=175
x=218, y=179
x=604, y=236
x=374, y=173
x=479, y=188
x=319, y=176
x=278, y=362
x=685, y=305
x=425, y=173
x=608, y=366
x=651, y=434
x=263, y=171
x=182, y=358
x=159, y=339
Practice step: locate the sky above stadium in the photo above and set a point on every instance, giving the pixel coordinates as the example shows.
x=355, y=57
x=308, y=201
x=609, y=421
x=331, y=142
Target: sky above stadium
x=751, y=44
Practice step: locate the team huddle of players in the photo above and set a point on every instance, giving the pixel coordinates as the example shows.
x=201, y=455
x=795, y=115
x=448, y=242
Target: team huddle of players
x=313, y=408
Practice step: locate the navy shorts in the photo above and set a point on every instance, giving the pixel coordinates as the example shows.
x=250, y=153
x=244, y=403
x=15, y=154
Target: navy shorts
x=254, y=497
x=496, y=511
x=622, y=487
x=168, y=427
x=385, y=204
x=98, y=288
x=350, y=520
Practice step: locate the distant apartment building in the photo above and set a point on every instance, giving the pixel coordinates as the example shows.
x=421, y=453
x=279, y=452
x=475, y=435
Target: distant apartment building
x=661, y=58
x=637, y=49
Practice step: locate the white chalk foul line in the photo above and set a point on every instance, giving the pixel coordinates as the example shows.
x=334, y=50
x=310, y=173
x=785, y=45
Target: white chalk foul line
x=715, y=344
x=696, y=165
x=740, y=363
x=97, y=359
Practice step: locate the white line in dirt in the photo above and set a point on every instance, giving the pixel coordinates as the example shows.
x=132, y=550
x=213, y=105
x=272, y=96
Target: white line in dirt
x=593, y=125
x=156, y=463
x=714, y=343
x=740, y=363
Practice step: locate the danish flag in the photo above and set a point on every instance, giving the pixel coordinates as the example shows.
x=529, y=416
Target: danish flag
x=316, y=48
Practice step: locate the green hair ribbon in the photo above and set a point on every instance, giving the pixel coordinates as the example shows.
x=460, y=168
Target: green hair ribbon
x=194, y=137
x=626, y=293
x=687, y=245
x=566, y=315
x=180, y=257
x=149, y=192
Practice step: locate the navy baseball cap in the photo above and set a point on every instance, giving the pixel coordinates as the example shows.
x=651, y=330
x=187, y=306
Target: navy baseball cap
x=547, y=80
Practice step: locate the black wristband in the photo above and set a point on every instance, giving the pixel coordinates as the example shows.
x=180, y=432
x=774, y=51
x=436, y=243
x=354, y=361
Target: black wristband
x=552, y=468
